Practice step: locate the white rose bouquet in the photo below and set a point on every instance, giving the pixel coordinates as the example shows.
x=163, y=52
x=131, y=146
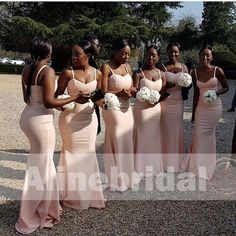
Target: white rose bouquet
x=209, y=96
x=184, y=80
x=69, y=106
x=112, y=102
x=154, y=97
x=143, y=94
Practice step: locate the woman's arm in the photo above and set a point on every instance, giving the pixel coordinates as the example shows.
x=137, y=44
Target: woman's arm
x=223, y=81
x=195, y=96
x=185, y=69
x=25, y=74
x=48, y=87
x=136, y=79
x=163, y=77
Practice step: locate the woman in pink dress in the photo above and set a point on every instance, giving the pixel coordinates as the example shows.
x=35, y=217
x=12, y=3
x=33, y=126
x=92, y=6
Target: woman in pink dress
x=118, y=144
x=78, y=171
x=172, y=112
x=40, y=198
x=205, y=116
x=147, y=134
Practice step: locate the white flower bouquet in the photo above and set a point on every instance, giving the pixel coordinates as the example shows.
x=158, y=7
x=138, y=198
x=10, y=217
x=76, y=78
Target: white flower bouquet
x=143, y=94
x=154, y=97
x=112, y=102
x=184, y=80
x=209, y=96
x=69, y=106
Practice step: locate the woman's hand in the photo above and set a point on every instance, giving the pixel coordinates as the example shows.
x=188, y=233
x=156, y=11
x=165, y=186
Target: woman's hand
x=170, y=85
x=133, y=91
x=123, y=93
x=83, y=98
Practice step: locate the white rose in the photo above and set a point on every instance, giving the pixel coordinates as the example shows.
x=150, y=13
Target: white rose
x=112, y=101
x=154, y=97
x=69, y=106
x=184, y=80
x=209, y=96
x=143, y=94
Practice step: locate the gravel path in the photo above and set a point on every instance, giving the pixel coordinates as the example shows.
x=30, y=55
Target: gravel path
x=130, y=213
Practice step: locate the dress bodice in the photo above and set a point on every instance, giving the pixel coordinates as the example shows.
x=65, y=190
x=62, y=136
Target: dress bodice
x=119, y=82
x=175, y=91
x=75, y=86
x=36, y=95
x=211, y=84
x=152, y=85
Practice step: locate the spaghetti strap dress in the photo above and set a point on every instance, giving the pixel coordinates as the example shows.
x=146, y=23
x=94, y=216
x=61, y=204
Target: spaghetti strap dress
x=147, y=132
x=172, y=131
x=78, y=170
x=202, y=159
x=40, y=197
x=118, y=143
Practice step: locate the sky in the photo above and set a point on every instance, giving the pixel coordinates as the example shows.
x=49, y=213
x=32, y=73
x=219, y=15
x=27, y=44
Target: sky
x=190, y=8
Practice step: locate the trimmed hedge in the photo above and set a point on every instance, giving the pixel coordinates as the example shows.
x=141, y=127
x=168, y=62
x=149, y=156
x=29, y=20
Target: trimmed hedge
x=225, y=59
x=10, y=69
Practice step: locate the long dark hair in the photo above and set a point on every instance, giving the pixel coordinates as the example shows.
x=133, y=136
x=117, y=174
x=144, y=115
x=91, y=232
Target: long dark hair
x=155, y=47
x=206, y=47
x=86, y=46
x=119, y=43
x=173, y=44
x=40, y=49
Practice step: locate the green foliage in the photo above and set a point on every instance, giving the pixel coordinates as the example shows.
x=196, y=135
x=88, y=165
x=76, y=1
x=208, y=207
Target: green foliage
x=10, y=69
x=217, y=20
x=186, y=33
x=21, y=31
x=225, y=59
x=190, y=56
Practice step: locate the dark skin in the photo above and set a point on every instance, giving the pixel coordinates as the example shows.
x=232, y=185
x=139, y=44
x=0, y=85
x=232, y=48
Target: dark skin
x=83, y=72
x=149, y=69
x=173, y=65
x=117, y=63
x=46, y=80
x=205, y=72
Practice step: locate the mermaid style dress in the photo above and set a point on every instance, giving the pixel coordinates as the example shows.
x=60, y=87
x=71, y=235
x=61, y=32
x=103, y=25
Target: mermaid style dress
x=118, y=143
x=202, y=160
x=147, y=133
x=40, y=197
x=78, y=171
x=172, y=131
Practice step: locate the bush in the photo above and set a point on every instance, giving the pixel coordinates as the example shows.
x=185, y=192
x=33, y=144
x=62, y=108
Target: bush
x=10, y=69
x=224, y=59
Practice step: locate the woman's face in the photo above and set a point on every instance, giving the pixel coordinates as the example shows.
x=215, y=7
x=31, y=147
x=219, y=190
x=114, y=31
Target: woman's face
x=79, y=57
x=151, y=57
x=173, y=54
x=205, y=57
x=123, y=55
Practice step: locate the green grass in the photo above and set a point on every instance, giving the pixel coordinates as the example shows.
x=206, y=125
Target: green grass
x=10, y=69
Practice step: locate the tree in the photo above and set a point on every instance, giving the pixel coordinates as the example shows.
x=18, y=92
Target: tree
x=187, y=33
x=217, y=20
x=68, y=22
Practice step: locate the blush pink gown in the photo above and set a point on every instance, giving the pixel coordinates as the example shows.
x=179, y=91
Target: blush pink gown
x=118, y=143
x=202, y=160
x=78, y=170
x=172, y=131
x=40, y=197
x=147, y=133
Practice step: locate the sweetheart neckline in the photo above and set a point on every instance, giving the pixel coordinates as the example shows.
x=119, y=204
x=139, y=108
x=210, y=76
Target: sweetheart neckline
x=150, y=80
x=120, y=75
x=84, y=83
x=207, y=80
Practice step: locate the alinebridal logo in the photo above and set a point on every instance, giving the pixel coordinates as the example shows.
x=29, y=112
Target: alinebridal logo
x=224, y=178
